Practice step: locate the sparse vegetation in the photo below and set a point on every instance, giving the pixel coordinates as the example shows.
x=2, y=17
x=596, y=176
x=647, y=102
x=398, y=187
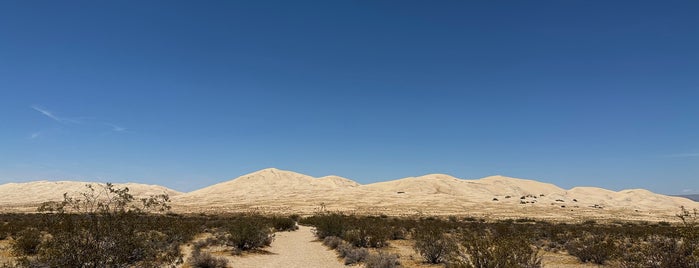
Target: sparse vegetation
x=119, y=231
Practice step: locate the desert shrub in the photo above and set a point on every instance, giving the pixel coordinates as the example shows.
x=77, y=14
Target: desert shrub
x=246, y=234
x=433, y=244
x=283, y=224
x=26, y=242
x=205, y=260
x=204, y=243
x=490, y=249
x=108, y=230
x=355, y=255
x=658, y=251
x=328, y=225
x=398, y=233
x=382, y=260
x=343, y=249
x=332, y=242
x=589, y=247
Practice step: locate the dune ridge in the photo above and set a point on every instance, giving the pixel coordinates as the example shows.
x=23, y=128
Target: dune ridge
x=275, y=190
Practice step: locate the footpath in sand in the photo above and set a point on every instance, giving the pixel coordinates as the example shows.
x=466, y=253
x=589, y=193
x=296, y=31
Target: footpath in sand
x=291, y=249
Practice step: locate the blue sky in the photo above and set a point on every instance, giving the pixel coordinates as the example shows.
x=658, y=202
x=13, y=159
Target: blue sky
x=189, y=93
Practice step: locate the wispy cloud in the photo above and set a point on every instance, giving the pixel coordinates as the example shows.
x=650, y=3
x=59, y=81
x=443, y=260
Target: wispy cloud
x=35, y=135
x=49, y=114
x=115, y=127
x=683, y=155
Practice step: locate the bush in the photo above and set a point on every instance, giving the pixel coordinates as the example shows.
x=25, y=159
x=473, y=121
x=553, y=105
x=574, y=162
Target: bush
x=329, y=225
x=246, y=234
x=205, y=260
x=382, y=260
x=27, y=242
x=433, y=244
x=281, y=224
x=489, y=249
x=355, y=255
x=332, y=242
x=596, y=248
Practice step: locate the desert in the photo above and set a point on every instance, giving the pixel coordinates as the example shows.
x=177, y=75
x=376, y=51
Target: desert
x=298, y=220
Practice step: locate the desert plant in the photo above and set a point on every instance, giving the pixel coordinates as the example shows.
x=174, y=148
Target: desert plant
x=247, y=234
x=26, y=242
x=328, y=225
x=488, y=249
x=589, y=247
x=205, y=260
x=382, y=260
x=355, y=255
x=283, y=224
x=332, y=242
x=433, y=244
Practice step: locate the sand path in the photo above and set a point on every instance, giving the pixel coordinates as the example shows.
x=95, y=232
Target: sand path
x=292, y=249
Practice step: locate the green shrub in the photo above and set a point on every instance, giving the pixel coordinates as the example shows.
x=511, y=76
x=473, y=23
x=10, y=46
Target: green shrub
x=328, y=225
x=247, y=234
x=491, y=250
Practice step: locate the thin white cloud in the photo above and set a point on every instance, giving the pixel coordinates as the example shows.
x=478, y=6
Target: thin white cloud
x=115, y=127
x=35, y=135
x=49, y=114
x=684, y=155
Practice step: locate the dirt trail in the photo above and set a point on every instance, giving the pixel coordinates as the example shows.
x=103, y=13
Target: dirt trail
x=292, y=249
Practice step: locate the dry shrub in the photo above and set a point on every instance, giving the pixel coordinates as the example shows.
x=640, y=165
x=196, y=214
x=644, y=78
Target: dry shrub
x=589, y=247
x=205, y=260
x=382, y=260
x=26, y=242
x=433, y=244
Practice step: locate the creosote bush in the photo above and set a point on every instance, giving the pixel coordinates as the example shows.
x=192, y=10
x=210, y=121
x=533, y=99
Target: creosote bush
x=433, y=244
x=247, y=233
x=26, y=242
x=589, y=247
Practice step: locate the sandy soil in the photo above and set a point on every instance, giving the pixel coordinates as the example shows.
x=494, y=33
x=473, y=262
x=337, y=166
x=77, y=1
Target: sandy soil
x=291, y=249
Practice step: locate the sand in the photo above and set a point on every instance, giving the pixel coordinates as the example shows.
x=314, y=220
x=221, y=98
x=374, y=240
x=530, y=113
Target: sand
x=495, y=197
x=298, y=249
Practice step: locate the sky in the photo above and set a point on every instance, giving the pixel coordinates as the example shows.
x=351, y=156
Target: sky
x=186, y=94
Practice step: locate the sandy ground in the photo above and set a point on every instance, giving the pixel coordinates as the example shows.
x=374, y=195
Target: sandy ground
x=291, y=249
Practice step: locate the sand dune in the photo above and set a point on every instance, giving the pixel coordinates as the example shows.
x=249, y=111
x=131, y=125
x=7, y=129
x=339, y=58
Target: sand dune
x=15, y=194
x=286, y=191
x=275, y=190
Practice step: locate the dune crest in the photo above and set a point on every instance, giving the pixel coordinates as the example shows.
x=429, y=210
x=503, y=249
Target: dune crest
x=276, y=190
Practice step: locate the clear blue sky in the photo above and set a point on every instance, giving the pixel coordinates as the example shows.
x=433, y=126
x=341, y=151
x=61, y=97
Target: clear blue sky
x=189, y=93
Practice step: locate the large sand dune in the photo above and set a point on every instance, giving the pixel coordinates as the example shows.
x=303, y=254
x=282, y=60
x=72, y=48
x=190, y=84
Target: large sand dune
x=274, y=190
x=33, y=193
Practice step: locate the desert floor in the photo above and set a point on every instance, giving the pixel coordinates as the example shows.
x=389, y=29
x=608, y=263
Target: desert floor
x=302, y=249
